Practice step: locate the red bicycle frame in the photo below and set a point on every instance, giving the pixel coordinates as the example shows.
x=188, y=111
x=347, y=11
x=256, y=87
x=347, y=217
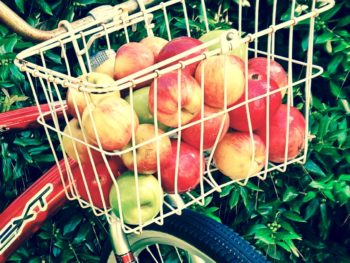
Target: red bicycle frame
x=42, y=200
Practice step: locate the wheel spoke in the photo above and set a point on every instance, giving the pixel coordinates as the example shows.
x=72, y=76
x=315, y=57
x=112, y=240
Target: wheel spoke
x=150, y=252
x=178, y=254
x=159, y=253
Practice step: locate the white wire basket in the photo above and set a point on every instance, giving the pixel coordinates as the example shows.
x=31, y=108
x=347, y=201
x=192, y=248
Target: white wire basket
x=117, y=27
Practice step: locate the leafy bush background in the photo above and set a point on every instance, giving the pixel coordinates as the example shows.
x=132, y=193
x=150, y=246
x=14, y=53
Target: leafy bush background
x=299, y=215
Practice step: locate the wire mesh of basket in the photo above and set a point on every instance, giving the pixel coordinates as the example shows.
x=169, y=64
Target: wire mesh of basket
x=106, y=135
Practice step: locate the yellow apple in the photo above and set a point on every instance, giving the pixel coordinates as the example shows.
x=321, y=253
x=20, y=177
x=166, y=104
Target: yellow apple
x=73, y=129
x=81, y=99
x=112, y=119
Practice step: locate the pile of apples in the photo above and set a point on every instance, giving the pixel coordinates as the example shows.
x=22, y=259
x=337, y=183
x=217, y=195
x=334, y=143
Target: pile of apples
x=210, y=96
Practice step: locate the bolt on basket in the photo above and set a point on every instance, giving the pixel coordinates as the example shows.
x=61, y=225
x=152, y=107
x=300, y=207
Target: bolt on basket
x=106, y=135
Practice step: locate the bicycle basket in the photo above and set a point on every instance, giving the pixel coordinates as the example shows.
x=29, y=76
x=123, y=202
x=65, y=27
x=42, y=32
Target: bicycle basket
x=107, y=134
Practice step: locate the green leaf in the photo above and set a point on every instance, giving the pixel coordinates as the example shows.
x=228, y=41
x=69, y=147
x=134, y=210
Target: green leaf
x=305, y=43
x=82, y=234
x=290, y=243
x=56, y=251
x=284, y=246
x=35, y=260
x=344, y=177
x=7, y=44
x=341, y=46
x=342, y=192
x=68, y=256
x=329, y=195
x=254, y=228
x=332, y=12
x=311, y=209
x=244, y=195
x=253, y=187
x=325, y=221
x=20, y=5
x=208, y=200
x=39, y=149
x=53, y=57
x=290, y=194
x=337, y=90
x=334, y=63
x=211, y=210
x=233, y=201
x=27, y=142
x=44, y=158
x=265, y=209
x=319, y=185
x=313, y=168
x=324, y=123
x=309, y=196
x=72, y=224
x=226, y=190
x=285, y=225
x=293, y=216
x=343, y=21
x=283, y=235
x=45, y=7
x=6, y=169
x=17, y=75
x=264, y=235
x=3, y=30
x=44, y=235
x=216, y=218
x=324, y=37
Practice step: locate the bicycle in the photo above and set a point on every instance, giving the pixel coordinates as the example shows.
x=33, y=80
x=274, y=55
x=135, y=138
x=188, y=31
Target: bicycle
x=25, y=215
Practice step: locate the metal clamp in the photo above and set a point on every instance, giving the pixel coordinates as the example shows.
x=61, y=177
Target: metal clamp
x=229, y=41
x=102, y=11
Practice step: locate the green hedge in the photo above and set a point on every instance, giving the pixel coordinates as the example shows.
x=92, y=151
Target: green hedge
x=299, y=215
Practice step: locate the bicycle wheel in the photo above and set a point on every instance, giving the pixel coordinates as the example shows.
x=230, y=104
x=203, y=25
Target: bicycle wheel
x=190, y=237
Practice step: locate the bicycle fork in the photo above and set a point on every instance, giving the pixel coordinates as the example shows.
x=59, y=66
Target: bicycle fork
x=120, y=243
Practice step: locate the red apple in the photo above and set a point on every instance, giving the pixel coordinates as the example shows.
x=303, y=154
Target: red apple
x=155, y=44
x=131, y=58
x=211, y=128
x=257, y=86
x=277, y=73
x=180, y=45
x=103, y=176
x=168, y=96
x=278, y=133
x=233, y=155
x=146, y=155
x=215, y=68
x=189, y=171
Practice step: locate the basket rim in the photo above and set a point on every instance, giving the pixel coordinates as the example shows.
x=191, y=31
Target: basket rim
x=153, y=71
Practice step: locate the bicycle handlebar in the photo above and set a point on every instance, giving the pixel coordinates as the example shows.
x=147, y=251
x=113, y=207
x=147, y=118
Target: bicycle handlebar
x=18, y=25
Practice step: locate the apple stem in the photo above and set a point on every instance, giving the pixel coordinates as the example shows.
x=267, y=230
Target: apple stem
x=255, y=76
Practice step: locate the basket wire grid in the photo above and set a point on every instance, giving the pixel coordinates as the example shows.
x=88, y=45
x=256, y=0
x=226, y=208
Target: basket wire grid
x=51, y=84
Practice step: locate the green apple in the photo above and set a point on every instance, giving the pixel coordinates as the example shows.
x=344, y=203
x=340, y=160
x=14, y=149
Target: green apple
x=151, y=197
x=140, y=99
x=240, y=51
